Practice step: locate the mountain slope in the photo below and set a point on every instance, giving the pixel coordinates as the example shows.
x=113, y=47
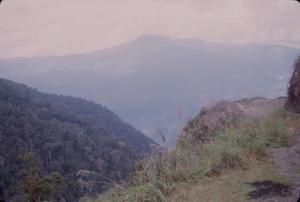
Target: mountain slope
x=83, y=141
x=155, y=82
x=244, y=150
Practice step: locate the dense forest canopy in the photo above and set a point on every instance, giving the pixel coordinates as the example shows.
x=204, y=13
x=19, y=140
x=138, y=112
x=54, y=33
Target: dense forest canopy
x=61, y=147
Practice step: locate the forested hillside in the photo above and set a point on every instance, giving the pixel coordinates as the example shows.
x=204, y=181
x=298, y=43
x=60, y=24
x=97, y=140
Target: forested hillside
x=58, y=147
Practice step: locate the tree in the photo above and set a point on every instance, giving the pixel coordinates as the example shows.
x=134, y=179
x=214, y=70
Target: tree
x=38, y=187
x=59, y=185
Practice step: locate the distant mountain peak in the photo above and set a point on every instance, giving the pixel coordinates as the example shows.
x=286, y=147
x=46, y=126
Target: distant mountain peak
x=153, y=37
x=150, y=41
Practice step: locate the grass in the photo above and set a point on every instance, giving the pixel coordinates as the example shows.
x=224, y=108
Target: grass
x=213, y=171
x=229, y=187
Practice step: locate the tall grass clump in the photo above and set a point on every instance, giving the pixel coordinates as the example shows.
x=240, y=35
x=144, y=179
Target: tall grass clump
x=156, y=177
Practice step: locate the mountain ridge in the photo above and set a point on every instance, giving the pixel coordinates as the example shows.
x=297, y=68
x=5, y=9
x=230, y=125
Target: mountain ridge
x=156, y=38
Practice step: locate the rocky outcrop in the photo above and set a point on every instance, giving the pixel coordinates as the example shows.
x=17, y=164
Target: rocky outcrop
x=293, y=101
x=225, y=114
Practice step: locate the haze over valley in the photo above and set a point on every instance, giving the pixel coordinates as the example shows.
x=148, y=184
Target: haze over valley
x=149, y=100
x=157, y=83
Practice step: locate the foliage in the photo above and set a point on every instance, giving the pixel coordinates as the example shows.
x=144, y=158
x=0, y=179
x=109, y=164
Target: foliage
x=83, y=141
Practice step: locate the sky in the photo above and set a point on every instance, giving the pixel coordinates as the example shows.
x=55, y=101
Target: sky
x=42, y=28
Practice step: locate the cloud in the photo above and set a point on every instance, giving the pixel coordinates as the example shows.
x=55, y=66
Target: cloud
x=34, y=27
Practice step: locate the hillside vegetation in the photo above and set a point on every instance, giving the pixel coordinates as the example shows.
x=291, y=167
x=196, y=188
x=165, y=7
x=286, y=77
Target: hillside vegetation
x=57, y=147
x=220, y=167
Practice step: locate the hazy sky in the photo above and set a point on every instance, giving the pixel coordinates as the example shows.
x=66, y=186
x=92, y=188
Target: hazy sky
x=42, y=27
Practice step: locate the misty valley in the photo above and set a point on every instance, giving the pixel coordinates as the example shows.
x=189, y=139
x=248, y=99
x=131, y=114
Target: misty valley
x=150, y=101
x=157, y=83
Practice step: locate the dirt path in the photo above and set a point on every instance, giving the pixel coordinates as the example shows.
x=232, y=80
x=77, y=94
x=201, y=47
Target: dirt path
x=287, y=161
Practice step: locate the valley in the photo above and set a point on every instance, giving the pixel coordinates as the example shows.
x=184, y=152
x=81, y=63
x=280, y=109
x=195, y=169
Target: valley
x=157, y=83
